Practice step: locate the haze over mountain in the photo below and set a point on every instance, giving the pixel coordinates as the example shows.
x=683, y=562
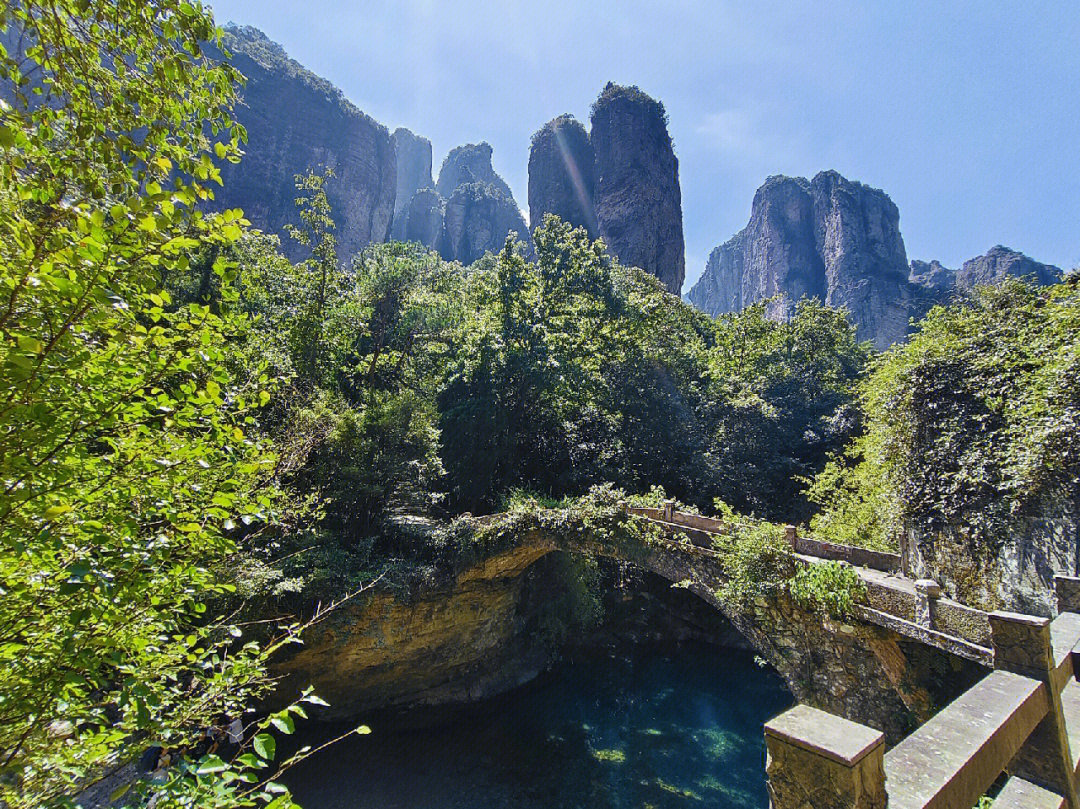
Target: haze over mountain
x=923, y=100
x=829, y=238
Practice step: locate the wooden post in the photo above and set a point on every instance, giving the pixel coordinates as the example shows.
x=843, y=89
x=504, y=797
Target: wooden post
x=816, y=760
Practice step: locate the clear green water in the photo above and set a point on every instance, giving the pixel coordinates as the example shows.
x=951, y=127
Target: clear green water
x=643, y=726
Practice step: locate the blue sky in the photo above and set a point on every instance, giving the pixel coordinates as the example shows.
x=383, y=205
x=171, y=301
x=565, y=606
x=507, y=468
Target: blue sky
x=966, y=113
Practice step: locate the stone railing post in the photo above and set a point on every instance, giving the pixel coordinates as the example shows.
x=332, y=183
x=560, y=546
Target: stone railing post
x=791, y=534
x=927, y=592
x=1022, y=646
x=1067, y=589
x=669, y=511
x=816, y=760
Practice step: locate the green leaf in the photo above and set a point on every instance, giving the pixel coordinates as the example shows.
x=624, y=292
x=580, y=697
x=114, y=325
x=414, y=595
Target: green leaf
x=284, y=723
x=211, y=764
x=264, y=746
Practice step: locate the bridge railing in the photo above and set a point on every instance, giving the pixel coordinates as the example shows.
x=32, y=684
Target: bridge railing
x=1022, y=719
x=912, y=608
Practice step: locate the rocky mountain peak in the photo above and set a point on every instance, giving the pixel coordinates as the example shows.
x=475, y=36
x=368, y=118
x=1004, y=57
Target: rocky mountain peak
x=299, y=122
x=829, y=238
x=562, y=174
x=466, y=164
x=637, y=195
x=931, y=275
x=1000, y=262
x=413, y=156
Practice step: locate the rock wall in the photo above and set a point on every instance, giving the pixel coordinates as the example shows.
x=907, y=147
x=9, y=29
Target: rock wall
x=458, y=642
x=466, y=164
x=297, y=122
x=620, y=181
x=829, y=238
x=468, y=213
x=423, y=219
x=840, y=241
x=477, y=219
x=1000, y=263
x=1018, y=576
x=562, y=175
x=413, y=161
x=638, y=198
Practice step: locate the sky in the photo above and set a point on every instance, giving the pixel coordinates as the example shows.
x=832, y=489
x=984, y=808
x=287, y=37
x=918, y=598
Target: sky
x=966, y=113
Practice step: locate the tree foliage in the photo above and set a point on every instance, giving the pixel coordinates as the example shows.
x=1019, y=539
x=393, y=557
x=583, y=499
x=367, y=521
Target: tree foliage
x=971, y=427
x=129, y=451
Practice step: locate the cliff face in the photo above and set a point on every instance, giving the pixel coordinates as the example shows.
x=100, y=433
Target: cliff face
x=297, y=122
x=466, y=164
x=477, y=219
x=828, y=238
x=562, y=175
x=1000, y=263
x=413, y=160
x=470, y=211
x=932, y=276
x=839, y=241
x=857, y=231
x=423, y=219
x=638, y=199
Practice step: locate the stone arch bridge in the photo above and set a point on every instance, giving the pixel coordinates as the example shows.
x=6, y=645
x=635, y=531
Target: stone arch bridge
x=881, y=666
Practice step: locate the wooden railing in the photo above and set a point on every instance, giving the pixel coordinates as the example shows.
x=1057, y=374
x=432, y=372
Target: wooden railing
x=1023, y=719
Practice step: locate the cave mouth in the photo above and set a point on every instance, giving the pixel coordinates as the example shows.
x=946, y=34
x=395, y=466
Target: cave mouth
x=661, y=703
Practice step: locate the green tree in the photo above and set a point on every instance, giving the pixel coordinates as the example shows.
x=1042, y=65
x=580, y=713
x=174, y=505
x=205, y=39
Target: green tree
x=129, y=455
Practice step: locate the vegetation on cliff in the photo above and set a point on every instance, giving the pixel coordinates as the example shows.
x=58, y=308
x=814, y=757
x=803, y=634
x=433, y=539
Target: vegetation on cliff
x=971, y=441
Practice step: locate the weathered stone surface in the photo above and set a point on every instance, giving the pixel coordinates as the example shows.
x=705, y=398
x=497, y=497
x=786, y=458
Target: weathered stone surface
x=562, y=175
x=1021, y=644
x=932, y=276
x=953, y=758
x=413, y=161
x=478, y=209
x=638, y=199
x=815, y=759
x=1017, y=576
x=829, y=238
x=467, y=164
x=477, y=219
x=297, y=122
x=456, y=643
x=424, y=218
x=1000, y=263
